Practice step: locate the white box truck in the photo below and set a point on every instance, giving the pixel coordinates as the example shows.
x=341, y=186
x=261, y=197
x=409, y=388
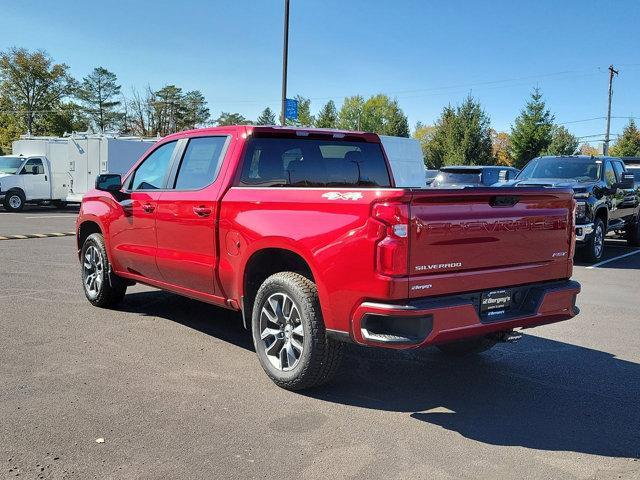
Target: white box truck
x=60, y=170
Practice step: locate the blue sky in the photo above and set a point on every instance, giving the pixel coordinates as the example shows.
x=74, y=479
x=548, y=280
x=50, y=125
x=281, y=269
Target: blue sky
x=425, y=53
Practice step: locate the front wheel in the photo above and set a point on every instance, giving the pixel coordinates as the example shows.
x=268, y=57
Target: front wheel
x=289, y=333
x=100, y=288
x=467, y=347
x=594, y=247
x=14, y=201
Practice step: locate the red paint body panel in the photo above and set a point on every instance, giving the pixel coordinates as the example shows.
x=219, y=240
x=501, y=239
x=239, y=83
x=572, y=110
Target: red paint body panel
x=457, y=242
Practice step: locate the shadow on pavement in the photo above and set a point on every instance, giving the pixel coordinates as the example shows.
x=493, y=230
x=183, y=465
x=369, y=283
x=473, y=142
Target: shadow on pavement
x=538, y=393
x=215, y=321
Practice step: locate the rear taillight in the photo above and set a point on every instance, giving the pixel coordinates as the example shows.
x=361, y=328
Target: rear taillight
x=393, y=247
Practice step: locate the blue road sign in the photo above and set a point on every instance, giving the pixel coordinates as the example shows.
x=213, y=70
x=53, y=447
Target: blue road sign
x=291, y=110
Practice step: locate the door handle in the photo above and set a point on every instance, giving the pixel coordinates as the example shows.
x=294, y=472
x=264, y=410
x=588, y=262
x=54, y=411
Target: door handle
x=202, y=211
x=148, y=207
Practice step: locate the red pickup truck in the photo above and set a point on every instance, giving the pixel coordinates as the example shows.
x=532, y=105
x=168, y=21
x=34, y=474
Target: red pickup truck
x=305, y=232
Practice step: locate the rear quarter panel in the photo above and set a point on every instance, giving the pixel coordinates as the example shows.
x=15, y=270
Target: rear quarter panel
x=332, y=233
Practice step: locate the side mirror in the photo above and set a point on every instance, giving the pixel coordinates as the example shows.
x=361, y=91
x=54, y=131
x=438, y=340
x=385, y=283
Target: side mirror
x=109, y=182
x=628, y=181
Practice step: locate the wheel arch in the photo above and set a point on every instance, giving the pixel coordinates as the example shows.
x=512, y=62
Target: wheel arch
x=264, y=262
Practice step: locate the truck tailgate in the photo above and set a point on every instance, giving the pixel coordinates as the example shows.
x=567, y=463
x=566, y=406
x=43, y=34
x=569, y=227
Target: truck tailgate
x=479, y=238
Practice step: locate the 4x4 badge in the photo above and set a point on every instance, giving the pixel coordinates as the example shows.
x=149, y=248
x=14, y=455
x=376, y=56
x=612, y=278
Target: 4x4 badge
x=342, y=196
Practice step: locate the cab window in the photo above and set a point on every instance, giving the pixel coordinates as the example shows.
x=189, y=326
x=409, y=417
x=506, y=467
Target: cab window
x=617, y=166
x=151, y=173
x=609, y=174
x=33, y=167
x=200, y=163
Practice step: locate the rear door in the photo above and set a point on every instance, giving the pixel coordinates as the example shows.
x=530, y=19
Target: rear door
x=473, y=236
x=628, y=197
x=187, y=212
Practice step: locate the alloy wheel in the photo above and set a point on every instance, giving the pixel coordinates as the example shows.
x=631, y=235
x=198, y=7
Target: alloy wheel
x=93, y=271
x=598, y=241
x=281, y=331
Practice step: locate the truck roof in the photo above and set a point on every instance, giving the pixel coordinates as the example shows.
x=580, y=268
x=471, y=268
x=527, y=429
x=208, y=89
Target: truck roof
x=278, y=130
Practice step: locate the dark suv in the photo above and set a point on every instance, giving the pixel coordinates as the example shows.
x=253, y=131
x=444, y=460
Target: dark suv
x=607, y=199
x=461, y=176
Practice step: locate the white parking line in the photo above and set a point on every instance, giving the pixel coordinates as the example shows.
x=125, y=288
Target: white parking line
x=613, y=259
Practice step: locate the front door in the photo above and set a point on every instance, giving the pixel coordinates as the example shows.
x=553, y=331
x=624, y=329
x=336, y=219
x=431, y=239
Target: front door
x=132, y=232
x=628, y=197
x=37, y=181
x=187, y=212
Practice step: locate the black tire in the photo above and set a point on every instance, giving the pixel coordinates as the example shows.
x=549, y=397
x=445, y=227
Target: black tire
x=108, y=290
x=14, y=201
x=320, y=356
x=632, y=233
x=594, y=247
x=467, y=347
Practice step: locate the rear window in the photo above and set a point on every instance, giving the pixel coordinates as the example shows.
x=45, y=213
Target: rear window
x=298, y=162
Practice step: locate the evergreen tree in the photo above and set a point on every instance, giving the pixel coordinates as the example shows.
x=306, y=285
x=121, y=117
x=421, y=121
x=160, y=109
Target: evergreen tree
x=562, y=142
x=195, y=111
x=531, y=134
x=328, y=116
x=98, y=93
x=227, y=118
x=462, y=137
x=628, y=144
x=267, y=117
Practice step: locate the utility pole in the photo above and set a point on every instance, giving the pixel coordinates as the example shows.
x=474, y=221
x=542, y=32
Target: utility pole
x=605, y=148
x=285, y=54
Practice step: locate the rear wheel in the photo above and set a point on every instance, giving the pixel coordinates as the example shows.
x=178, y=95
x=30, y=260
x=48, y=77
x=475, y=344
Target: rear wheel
x=14, y=201
x=467, y=347
x=289, y=333
x=594, y=247
x=100, y=288
x=633, y=233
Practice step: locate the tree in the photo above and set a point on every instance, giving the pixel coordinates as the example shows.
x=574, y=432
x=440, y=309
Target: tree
x=424, y=134
x=462, y=136
x=382, y=115
x=562, y=142
x=628, y=144
x=195, y=110
x=350, y=113
x=267, y=117
x=66, y=118
x=588, y=149
x=500, y=148
x=227, y=118
x=531, y=134
x=305, y=119
x=99, y=93
x=31, y=84
x=328, y=116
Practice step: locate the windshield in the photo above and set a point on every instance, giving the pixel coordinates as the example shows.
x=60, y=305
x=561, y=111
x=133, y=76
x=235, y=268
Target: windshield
x=458, y=178
x=10, y=164
x=555, y=167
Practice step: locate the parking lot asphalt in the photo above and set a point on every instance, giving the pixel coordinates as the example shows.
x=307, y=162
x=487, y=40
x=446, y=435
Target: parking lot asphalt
x=173, y=388
x=38, y=220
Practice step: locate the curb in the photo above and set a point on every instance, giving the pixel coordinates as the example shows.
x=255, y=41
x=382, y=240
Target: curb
x=36, y=235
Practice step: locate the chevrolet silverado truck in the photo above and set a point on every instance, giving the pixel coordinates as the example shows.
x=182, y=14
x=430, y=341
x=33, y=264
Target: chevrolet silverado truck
x=607, y=199
x=304, y=232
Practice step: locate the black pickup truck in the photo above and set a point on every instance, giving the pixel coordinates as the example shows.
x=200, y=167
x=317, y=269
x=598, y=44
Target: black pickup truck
x=607, y=199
